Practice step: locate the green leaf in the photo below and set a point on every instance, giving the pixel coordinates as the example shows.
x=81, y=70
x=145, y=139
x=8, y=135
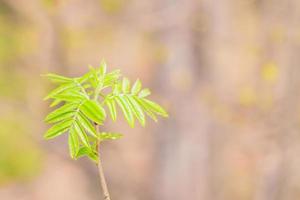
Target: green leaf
x=109, y=136
x=58, y=129
x=155, y=107
x=146, y=109
x=117, y=89
x=85, y=151
x=86, y=124
x=85, y=77
x=125, y=85
x=93, y=157
x=58, y=78
x=126, y=110
x=102, y=69
x=111, y=78
x=78, y=113
x=70, y=97
x=61, y=113
x=61, y=117
x=93, y=110
x=73, y=143
x=59, y=90
x=89, y=78
x=137, y=110
x=111, y=104
x=94, y=79
x=81, y=133
x=55, y=102
x=144, y=93
x=136, y=87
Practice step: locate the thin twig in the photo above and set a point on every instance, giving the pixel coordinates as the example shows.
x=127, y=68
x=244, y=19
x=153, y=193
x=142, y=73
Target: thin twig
x=101, y=172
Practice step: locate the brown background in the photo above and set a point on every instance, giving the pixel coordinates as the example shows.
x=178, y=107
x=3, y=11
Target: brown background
x=227, y=71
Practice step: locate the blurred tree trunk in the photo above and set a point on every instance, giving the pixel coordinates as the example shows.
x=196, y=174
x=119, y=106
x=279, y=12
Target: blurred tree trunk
x=183, y=148
x=279, y=31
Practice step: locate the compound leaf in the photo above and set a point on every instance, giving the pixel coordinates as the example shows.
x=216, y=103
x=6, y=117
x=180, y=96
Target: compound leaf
x=80, y=108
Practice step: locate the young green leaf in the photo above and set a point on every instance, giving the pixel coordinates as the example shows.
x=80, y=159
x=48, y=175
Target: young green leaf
x=58, y=78
x=111, y=78
x=117, y=87
x=102, y=69
x=85, y=151
x=109, y=136
x=125, y=85
x=88, y=126
x=93, y=110
x=155, y=107
x=62, y=117
x=90, y=77
x=136, y=87
x=81, y=133
x=73, y=143
x=111, y=104
x=58, y=129
x=70, y=97
x=59, y=90
x=81, y=102
x=136, y=108
x=61, y=113
x=146, y=109
x=144, y=93
x=55, y=102
x=121, y=101
x=93, y=157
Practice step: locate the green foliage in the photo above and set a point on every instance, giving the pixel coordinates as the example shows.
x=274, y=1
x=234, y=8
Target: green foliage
x=83, y=104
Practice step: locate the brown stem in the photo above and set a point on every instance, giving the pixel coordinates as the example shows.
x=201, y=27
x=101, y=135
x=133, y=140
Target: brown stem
x=101, y=173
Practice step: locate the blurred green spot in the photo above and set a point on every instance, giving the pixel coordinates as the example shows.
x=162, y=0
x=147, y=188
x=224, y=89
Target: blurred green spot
x=247, y=96
x=20, y=158
x=112, y=6
x=12, y=85
x=270, y=72
x=49, y=3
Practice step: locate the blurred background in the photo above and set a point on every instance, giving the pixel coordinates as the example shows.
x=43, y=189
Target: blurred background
x=227, y=71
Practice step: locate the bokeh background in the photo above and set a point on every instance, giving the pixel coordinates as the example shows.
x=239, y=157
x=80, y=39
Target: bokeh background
x=227, y=71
